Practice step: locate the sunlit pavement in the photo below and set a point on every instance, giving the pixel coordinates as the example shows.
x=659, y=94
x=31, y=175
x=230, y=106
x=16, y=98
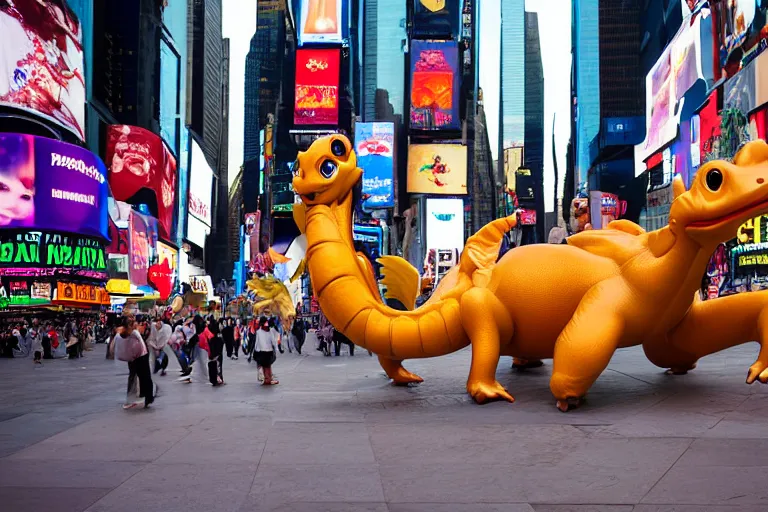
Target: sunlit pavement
x=335, y=436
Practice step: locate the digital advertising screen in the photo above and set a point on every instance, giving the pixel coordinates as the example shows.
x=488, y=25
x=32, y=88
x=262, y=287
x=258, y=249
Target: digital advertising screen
x=169, y=95
x=434, y=85
x=445, y=224
x=142, y=246
x=138, y=159
x=743, y=32
x=437, y=169
x=50, y=254
x=200, y=185
x=374, y=145
x=47, y=184
x=41, y=62
x=436, y=19
x=317, y=87
x=321, y=21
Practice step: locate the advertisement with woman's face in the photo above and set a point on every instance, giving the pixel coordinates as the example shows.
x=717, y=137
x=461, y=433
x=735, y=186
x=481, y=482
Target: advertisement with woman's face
x=47, y=184
x=41, y=61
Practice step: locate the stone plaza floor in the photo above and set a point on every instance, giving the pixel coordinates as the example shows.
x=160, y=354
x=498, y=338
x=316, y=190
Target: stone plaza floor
x=335, y=436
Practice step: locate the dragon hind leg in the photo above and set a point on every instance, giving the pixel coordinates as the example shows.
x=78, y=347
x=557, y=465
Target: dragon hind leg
x=585, y=347
x=399, y=375
x=487, y=322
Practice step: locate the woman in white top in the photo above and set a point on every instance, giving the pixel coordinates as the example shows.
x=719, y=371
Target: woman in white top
x=130, y=347
x=158, y=340
x=264, y=350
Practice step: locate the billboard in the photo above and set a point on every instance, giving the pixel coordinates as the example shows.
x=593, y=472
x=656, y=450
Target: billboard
x=374, y=145
x=320, y=21
x=167, y=253
x=200, y=185
x=49, y=254
x=142, y=243
x=137, y=159
x=169, y=95
x=437, y=169
x=436, y=19
x=434, y=85
x=317, y=87
x=47, y=184
x=742, y=26
x=676, y=71
x=445, y=224
x=41, y=62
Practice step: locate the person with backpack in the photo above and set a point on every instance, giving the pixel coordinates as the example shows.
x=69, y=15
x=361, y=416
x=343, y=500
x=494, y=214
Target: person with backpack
x=130, y=348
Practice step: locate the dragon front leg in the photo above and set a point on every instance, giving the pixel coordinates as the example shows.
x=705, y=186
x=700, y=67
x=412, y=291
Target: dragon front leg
x=399, y=375
x=586, y=345
x=487, y=322
x=714, y=325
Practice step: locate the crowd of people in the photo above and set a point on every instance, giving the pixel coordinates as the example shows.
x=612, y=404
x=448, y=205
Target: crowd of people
x=50, y=338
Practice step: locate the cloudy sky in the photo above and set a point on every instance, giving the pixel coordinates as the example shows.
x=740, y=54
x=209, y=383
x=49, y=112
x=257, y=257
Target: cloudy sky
x=555, y=33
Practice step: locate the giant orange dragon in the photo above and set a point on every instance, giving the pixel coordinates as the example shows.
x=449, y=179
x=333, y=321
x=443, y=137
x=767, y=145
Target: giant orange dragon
x=576, y=303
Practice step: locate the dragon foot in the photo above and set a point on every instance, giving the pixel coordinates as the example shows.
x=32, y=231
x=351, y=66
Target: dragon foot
x=399, y=375
x=483, y=392
x=526, y=364
x=680, y=370
x=569, y=404
x=758, y=371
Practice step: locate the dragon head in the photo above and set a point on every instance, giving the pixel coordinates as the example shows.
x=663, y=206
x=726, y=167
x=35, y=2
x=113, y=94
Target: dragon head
x=326, y=172
x=723, y=196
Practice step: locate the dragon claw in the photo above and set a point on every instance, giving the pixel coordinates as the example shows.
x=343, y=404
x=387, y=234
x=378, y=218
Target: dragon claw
x=758, y=371
x=483, y=392
x=569, y=404
x=680, y=370
x=404, y=377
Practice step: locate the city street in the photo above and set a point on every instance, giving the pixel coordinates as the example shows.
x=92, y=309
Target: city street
x=335, y=436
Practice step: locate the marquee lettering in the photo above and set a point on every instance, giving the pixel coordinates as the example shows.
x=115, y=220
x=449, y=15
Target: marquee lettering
x=51, y=250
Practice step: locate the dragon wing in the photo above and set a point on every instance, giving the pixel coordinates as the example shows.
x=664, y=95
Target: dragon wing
x=627, y=226
x=401, y=280
x=617, y=245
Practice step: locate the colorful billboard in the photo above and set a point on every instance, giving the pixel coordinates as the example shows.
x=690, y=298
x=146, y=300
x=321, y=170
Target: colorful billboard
x=434, y=85
x=142, y=243
x=138, y=159
x=317, y=87
x=445, y=224
x=41, y=62
x=50, y=254
x=374, y=145
x=200, y=185
x=676, y=71
x=436, y=19
x=437, y=169
x=320, y=21
x=743, y=32
x=47, y=184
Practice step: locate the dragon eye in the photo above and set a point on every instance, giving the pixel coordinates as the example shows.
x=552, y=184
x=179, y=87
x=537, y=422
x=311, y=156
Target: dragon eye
x=295, y=168
x=338, y=148
x=714, y=180
x=328, y=169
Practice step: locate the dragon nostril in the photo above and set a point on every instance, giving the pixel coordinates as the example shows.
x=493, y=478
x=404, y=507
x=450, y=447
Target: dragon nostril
x=760, y=181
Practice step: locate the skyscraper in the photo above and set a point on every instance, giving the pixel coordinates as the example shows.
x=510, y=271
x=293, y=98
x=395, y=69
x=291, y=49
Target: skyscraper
x=534, y=117
x=251, y=148
x=512, y=73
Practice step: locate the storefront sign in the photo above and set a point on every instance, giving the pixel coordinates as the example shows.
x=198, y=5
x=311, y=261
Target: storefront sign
x=138, y=159
x=374, y=144
x=81, y=293
x=119, y=286
x=41, y=291
x=434, y=85
x=199, y=284
x=317, y=87
x=160, y=276
x=41, y=50
x=47, y=184
x=32, y=253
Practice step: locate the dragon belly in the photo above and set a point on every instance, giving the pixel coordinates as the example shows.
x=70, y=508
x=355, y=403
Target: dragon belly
x=541, y=286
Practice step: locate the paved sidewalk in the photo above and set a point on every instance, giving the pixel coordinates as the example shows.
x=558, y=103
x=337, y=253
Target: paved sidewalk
x=336, y=436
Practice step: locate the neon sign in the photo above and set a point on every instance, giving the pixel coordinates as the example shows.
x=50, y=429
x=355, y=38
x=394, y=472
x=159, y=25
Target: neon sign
x=38, y=254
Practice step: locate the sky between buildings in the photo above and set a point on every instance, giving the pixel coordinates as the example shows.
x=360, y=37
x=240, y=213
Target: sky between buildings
x=239, y=25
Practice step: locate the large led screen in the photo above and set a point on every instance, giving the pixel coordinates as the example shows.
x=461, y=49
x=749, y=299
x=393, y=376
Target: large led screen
x=33, y=253
x=200, y=186
x=169, y=95
x=47, y=184
x=374, y=144
x=41, y=61
x=436, y=19
x=743, y=30
x=317, y=87
x=138, y=159
x=321, y=21
x=445, y=224
x=434, y=85
x=437, y=169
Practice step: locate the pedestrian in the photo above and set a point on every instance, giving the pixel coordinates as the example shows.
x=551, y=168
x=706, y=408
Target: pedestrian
x=160, y=333
x=36, y=341
x=47, y=342
x=298, y=334
x=273, y=328
x=237, y=332
x=130, y=348
x=228, y=334
x=265, y=350
x=215, y=354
